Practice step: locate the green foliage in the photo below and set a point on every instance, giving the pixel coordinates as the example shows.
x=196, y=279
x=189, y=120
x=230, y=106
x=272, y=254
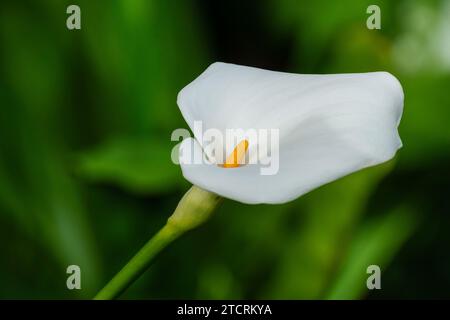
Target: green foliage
x=311, y=256
x=375, y=243
x=141, y=165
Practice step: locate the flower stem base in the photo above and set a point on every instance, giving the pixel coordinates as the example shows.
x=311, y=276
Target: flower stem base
x=194, y=209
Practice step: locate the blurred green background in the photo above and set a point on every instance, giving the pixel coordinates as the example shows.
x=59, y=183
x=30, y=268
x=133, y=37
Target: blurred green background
x=85, y=170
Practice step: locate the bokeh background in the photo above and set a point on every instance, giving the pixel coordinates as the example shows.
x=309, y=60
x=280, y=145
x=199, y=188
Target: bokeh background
x=85, y=170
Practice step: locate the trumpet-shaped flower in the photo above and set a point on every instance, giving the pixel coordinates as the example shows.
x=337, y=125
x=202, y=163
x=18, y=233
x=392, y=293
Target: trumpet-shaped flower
x=329, y=126
x=325, y=126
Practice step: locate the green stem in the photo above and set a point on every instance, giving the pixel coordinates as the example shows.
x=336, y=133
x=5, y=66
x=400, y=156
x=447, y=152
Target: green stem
x=194, y=209
x=138, y=264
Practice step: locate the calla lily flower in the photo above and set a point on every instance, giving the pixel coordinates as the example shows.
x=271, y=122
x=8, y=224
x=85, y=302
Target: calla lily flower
x=329, y=126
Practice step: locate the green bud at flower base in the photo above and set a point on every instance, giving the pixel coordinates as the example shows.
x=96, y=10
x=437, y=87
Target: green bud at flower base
x=194, y=209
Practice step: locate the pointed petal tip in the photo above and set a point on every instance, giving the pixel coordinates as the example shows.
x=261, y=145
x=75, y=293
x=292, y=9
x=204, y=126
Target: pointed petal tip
x=393, y=83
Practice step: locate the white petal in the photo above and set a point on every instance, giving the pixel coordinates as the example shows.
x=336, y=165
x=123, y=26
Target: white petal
x=330, y=126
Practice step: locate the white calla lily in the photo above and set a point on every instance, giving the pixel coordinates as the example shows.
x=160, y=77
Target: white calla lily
x=329, y=126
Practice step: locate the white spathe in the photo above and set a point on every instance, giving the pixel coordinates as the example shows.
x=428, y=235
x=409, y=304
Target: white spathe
x=330, y=126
